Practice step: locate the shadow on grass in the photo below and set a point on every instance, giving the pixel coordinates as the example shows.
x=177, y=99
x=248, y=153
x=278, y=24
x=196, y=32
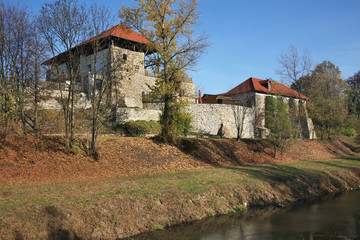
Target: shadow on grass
x=303, y=182
x=353, y=167
x=55, y=230
x=221, y=152
x=342, y=148
x=353, y=148
x=276, y=173
x=209, y=151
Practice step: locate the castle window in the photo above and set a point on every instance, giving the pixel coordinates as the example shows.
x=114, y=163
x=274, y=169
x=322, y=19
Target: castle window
x=124, y=56
x=98, y=84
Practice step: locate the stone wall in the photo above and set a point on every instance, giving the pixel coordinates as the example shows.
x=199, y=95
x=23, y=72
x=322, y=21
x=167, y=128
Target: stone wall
x=209, y=119
x=246, y=99
x=222, y=119
x=307, y=130
x=188, y=89
x=129, y=72
x=134, y=114
x=51, y=99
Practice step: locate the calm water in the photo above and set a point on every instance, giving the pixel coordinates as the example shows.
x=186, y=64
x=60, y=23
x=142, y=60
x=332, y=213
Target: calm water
x=334, y=218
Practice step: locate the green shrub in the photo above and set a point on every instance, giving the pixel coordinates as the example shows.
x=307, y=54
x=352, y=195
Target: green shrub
x=239, y=208
x=184, y=121
x=139, y=127
x=158, y=226
x=350, y=132
x=178, y=120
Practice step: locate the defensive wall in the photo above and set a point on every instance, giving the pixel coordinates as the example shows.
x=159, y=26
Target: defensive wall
x=210, y=119
x=225, y=120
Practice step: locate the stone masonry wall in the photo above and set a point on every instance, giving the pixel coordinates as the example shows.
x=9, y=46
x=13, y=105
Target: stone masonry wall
x=212, y=119
x=215, y=119
x=52, y=100
x=130, y=76
x=307, y=127
x=134, y=114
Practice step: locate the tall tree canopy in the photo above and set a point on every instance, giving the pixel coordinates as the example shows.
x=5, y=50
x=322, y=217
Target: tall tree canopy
x=169, y=25
x=328, y=94
x=354, y=96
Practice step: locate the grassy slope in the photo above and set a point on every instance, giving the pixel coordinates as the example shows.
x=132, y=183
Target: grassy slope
x=120, y=208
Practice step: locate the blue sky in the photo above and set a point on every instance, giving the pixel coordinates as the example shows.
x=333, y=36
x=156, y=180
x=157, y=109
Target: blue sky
x=246, y=37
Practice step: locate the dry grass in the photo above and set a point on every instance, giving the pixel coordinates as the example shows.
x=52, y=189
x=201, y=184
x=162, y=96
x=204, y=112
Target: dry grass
x=139, y=185
x=122, y=207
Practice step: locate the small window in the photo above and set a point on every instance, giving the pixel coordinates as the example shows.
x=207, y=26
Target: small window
x=98, y=84
x=124, y=56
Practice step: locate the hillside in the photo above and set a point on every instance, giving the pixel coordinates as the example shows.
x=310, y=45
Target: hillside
x=43, y=160
x=71, y=196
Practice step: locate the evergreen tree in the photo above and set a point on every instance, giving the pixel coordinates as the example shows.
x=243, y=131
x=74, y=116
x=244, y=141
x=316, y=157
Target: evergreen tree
x=278, y=120
x=354, y=96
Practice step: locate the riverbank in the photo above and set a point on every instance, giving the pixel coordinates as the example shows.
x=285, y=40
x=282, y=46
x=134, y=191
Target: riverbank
x=110, y=207
x=125, y=207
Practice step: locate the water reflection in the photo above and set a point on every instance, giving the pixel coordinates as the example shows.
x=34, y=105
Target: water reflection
x=335, y=218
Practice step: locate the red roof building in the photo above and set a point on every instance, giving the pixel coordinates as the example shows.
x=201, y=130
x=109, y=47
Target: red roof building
x=120, y=31
x=243, y=94
x=119, y=35
x=264, y=86
x=253, y=93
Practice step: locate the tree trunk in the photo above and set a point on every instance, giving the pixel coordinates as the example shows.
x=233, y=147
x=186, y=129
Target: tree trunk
x=165, y=133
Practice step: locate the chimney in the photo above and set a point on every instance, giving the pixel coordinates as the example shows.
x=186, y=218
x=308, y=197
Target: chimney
x=269, y=81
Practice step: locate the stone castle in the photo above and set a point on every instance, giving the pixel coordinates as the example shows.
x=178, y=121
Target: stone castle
x=119, y=52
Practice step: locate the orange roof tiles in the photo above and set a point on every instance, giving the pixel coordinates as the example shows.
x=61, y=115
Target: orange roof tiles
x=260, y=85
x=120, y=31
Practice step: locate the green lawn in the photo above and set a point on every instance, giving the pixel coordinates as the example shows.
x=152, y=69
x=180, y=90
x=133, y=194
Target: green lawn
x=122, y=207
x=79, y=195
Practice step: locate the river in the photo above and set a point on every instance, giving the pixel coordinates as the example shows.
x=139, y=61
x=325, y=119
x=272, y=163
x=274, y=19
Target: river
x=336, y=217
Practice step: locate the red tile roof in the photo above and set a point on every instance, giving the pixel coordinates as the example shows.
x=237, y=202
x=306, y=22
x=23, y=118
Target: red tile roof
x=260, y=85
x=120, y=31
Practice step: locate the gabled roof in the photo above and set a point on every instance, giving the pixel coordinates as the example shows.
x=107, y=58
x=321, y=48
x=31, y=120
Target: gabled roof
x=262, y=86
x=120, y=31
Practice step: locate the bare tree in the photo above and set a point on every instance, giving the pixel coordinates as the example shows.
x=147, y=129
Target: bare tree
x=240, y=113
x=104, y=68
x=15, y=34
x=64, y=24
x=293, y=65
x=38, y=54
